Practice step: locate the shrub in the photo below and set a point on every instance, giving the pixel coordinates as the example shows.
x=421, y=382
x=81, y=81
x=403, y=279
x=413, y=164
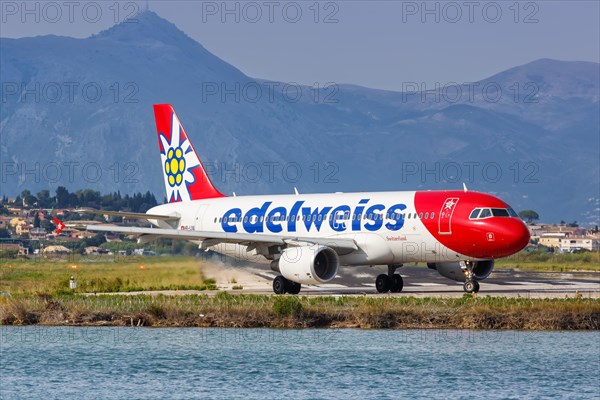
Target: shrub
x=287, y=306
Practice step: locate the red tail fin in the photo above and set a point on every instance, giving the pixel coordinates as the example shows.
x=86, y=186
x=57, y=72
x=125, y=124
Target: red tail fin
x=185, y=177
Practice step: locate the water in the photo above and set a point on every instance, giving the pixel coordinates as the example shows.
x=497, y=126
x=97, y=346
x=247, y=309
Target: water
x=146, y=363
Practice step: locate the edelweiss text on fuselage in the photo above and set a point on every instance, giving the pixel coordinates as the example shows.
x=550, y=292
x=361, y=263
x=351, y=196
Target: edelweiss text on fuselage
x=341, y=218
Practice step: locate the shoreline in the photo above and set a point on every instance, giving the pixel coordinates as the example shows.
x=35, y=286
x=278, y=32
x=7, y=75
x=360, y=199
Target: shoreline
x=225, y=310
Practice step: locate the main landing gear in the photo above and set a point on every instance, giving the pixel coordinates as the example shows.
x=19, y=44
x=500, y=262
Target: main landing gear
x=283, y=286
x=471, y=285
x=391, y=282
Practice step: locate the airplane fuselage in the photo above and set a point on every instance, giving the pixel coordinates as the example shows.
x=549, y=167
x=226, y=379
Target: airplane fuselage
x=388, y=227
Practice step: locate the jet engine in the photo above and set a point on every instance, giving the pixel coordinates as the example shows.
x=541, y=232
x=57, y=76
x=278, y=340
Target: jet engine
x=310, y=264
x=456, y=270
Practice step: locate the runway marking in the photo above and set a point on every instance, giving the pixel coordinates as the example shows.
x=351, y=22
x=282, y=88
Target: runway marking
x=267, y=275
x=525, y=283
x=425, y=284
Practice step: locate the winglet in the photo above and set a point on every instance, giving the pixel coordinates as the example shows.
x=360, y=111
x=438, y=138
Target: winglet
x=465, y=187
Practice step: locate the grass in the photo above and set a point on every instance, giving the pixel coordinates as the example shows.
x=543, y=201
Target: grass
x=144, y=273
x=551, y=262
x=228, y=310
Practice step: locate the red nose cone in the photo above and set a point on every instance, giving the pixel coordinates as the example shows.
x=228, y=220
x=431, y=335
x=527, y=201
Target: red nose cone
x=513, y=235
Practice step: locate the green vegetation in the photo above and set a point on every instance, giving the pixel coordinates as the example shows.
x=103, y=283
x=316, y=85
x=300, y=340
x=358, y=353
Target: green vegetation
x=138, y=202
x=227, y=310
x=552, y=262
x=529, y=215
x=102, y=274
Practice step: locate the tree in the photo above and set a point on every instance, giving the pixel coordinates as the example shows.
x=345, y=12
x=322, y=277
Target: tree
x=44, y=199
x=573, y=224
x=4, y=233
x=62, y=197
x=529, y=216
x=36, y=220
x=28, y=198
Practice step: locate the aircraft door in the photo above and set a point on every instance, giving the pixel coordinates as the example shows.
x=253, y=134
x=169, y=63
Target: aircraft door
x=199, y=217
x=445, y=216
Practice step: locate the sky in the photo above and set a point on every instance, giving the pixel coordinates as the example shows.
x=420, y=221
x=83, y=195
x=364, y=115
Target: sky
x=378, y=44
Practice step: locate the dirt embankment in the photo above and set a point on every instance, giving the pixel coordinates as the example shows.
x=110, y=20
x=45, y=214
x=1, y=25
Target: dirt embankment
x=226, y=310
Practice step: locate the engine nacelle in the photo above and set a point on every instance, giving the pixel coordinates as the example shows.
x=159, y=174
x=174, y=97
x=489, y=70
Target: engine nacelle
x=308, y=264
x=455, y=270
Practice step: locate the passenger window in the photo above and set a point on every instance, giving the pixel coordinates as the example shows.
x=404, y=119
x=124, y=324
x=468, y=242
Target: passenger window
x=485, y=213
x=409, y=214
x=426, y=215
x=432, y=215
x=474, y=213
x=420, y=215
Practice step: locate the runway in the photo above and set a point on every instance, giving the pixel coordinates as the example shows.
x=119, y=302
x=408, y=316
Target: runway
x=419, y=281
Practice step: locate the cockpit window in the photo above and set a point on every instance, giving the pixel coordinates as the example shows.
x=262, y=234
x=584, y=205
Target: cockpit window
x=500, y=212
x=480, y=213
x=485, y=213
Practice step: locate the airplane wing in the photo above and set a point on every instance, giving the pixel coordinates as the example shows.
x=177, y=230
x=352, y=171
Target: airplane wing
x=341, y=245
x=128, y=214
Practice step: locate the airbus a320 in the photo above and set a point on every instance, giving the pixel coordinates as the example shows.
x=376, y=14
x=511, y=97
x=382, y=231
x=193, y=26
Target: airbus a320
x=308, y=237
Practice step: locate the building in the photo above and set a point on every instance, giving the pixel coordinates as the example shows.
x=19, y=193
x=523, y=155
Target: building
x=37, y=233
x=571, y=243
x=552, y=239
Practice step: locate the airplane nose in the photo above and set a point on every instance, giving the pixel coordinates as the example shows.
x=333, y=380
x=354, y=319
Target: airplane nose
x=516, y=235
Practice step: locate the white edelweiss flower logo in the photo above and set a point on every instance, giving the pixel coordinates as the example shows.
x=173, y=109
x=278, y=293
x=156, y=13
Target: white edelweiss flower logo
x=178, y=161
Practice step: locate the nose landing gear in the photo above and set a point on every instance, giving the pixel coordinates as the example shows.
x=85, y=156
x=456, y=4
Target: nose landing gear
x=471, y=285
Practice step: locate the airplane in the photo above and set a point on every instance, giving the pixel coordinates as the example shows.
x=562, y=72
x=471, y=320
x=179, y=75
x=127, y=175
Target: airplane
x=308, y=237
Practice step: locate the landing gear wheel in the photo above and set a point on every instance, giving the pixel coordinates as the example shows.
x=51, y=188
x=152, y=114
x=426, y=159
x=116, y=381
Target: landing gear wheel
x=397, y=284
x=471, y=286
x=293, y=287
x=383, y=283
x=280, y=285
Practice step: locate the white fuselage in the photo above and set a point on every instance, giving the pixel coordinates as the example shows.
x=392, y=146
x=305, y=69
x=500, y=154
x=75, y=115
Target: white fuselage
x=384, y=225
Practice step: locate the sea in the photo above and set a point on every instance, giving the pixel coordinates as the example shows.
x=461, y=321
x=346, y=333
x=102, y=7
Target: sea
x=215, y=363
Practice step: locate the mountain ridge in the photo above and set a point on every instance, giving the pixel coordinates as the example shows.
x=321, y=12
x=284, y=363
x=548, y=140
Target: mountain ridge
x=353, y=133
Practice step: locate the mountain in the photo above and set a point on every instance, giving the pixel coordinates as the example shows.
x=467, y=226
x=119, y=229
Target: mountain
x=78, y=113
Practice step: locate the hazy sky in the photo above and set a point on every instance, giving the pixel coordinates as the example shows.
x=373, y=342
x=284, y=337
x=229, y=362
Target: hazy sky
x=379, y=44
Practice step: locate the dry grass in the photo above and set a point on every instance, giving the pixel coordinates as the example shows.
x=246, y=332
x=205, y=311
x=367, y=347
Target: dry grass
x=133, y=274
x=227, y=310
